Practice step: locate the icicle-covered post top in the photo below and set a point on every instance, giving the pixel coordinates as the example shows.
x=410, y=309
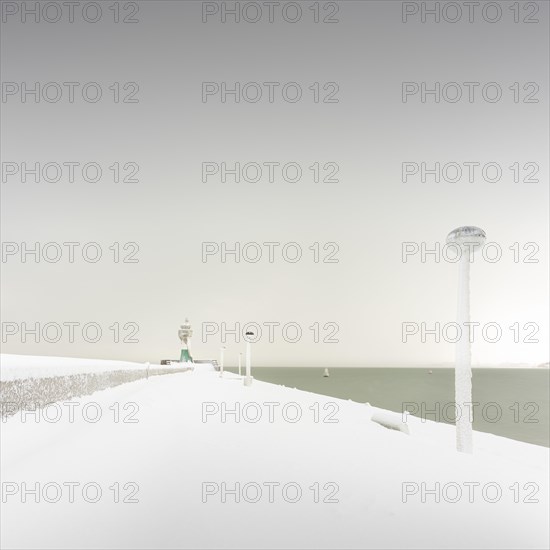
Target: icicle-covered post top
x=469, y=239
x=185, y=332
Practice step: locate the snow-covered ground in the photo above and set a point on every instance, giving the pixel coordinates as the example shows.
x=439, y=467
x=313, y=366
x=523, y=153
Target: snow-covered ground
x=165, y=443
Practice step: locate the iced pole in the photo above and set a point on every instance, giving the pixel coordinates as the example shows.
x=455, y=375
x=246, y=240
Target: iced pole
x=222, y=349
x=248, y=377
x=468, y=239
x=463, y=358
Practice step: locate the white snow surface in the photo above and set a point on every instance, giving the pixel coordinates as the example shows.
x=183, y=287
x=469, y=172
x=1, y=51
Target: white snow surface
x=172, y=451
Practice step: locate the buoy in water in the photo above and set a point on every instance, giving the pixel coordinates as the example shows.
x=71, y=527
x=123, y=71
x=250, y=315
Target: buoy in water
x=326, y=374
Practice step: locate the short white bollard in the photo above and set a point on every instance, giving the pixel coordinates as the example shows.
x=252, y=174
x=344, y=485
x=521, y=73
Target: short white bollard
x=240, y=360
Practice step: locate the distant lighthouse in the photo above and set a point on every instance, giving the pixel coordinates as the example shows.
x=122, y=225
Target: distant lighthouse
x=185, y=332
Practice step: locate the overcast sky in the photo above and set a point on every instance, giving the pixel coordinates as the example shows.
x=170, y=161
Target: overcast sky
x=361, y=130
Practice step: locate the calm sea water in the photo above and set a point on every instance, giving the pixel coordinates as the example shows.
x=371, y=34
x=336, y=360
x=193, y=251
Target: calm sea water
x=514, y=403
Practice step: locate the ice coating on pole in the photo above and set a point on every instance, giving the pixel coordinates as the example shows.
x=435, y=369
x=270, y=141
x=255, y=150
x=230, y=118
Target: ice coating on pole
x=466, y=237
x=248, y=377
x=463, y=366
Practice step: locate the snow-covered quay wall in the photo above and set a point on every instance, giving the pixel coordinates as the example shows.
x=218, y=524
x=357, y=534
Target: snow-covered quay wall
x=28, y=382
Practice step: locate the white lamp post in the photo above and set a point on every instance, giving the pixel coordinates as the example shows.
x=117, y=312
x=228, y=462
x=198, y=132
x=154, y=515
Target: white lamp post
x=468, y=239
x=248, y=377
x=222, y=349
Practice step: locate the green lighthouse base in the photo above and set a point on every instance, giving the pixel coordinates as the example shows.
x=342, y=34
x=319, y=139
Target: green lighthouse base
x=185, y=356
